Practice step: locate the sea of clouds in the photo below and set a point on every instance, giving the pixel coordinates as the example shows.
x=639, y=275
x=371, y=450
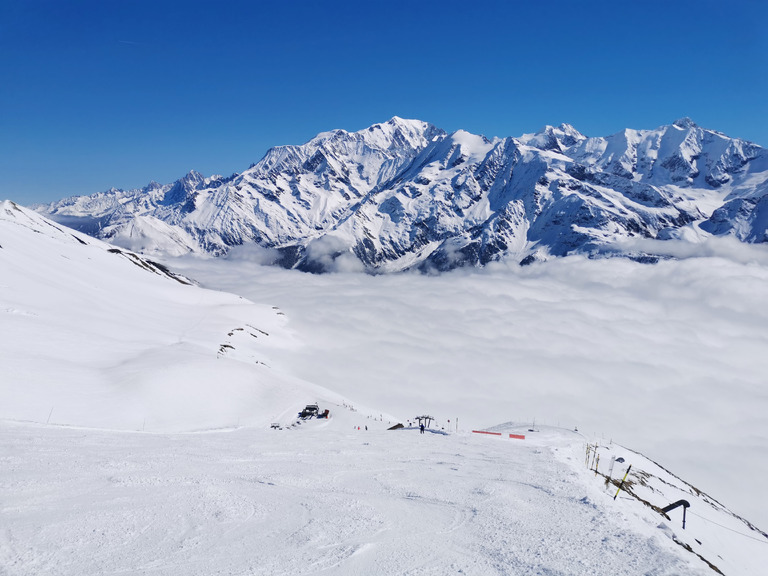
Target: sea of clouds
x=669, y=359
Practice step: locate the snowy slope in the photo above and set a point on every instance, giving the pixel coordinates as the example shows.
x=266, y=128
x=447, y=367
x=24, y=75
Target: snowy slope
x=699, y=523
x=94, y=335
x=104, y=353
x=325, y=497
x=405, y=194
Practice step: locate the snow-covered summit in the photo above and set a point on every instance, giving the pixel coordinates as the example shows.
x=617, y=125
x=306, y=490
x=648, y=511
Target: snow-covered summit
x=553, y=138
x=405, y=194
x=394, y=135
x=684, y=123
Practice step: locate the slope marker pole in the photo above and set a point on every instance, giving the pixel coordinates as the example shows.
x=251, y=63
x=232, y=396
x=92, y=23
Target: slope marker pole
x=622, y=481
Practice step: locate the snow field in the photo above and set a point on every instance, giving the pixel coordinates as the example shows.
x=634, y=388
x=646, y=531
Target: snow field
x=323, y=498
x=90, y=338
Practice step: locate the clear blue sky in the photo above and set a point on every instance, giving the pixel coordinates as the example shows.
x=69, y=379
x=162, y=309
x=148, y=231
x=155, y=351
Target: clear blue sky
x=106, y=93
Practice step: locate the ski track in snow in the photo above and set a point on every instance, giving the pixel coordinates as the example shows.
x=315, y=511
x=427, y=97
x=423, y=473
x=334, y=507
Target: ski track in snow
x=316, y=500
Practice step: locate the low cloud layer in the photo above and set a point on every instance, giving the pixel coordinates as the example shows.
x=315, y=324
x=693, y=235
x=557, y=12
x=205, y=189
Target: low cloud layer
x=669, y=359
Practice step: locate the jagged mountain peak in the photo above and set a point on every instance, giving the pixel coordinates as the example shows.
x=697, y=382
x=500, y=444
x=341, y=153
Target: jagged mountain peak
x=684, y=123
x=193, y=177
x=567, y=133
x=554, y=138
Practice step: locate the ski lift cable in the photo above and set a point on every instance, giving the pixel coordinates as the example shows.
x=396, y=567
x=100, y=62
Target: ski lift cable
x=764, y=541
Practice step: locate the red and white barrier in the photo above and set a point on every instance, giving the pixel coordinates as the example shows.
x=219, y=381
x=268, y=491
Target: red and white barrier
x=515, y=436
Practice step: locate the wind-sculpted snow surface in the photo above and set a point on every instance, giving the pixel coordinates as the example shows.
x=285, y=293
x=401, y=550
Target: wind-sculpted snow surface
x=327, y=497
x=95, y=335
x=405, y=194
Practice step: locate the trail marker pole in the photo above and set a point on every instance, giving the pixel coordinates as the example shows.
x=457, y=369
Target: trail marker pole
x=621, y=485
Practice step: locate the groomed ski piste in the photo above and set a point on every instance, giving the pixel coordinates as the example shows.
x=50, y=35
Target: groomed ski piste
x=325, y=497
x=136, y=437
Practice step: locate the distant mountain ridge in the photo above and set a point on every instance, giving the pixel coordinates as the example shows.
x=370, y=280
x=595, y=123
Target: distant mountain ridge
x=405, y=194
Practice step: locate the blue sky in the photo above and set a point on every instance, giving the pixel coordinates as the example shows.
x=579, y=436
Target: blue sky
x=104, y=93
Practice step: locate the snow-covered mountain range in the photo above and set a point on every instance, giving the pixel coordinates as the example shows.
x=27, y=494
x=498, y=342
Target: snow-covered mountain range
x=406, y=194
